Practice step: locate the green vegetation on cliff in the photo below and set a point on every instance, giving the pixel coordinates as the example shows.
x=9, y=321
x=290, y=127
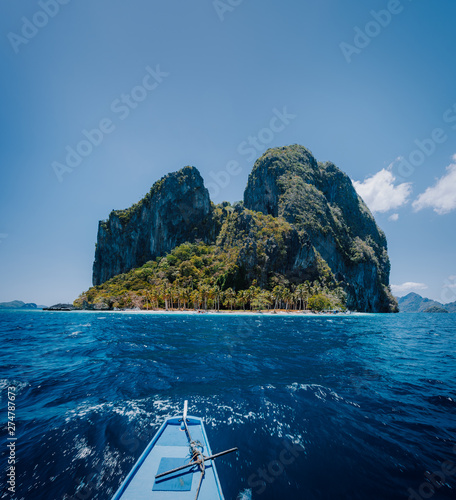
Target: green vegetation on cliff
x=196, y=275
x=126, y=215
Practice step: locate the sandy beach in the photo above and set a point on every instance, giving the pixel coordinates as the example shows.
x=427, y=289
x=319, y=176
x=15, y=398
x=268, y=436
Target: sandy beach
x=224, y=312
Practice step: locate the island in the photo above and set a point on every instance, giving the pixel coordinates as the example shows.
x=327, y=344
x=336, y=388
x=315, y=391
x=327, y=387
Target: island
x=301, y=239
x=19, y=304
x=415, y=303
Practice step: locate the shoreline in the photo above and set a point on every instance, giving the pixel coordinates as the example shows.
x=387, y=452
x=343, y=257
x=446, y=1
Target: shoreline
x=162, y=312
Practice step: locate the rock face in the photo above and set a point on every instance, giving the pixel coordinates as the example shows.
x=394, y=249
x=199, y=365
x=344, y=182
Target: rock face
x=177, y=209
x=60, y=307
x=320, y=202
x=265, y=246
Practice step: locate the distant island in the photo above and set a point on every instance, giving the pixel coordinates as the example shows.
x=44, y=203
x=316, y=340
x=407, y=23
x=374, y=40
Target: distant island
x=18, y=304
x=302, y=238
x=414, y=303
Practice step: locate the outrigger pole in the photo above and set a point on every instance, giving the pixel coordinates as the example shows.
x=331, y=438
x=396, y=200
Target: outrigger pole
x=195, y=463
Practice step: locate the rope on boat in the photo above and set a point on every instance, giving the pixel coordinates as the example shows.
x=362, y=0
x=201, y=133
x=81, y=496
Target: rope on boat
x=197, y=457
x=195, y=450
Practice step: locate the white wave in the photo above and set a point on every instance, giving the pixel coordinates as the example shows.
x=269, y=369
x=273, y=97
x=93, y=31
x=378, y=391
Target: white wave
x=133, y=410
x=320, y=392
x=18, y=385
x=82, y=448
x=245, y=495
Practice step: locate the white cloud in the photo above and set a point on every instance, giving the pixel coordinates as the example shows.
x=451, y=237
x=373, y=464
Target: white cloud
x=393, y=217
x=407, y=287
x=442, y=196
x=380, y=192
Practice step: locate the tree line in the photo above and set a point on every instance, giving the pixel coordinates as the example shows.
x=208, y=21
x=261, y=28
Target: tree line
x=161, y=294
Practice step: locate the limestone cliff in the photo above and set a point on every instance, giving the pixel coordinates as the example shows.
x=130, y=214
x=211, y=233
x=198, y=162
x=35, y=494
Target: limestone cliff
x=176, y=209
x=320, y=202
x=266, y=248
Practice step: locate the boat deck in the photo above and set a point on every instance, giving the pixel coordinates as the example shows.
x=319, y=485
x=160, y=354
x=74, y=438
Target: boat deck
x=169, y=449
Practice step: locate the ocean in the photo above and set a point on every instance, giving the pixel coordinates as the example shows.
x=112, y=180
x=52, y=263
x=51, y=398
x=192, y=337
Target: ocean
x=320, y=407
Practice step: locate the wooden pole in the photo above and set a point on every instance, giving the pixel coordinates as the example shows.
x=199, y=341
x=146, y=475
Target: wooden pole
x=194, y=463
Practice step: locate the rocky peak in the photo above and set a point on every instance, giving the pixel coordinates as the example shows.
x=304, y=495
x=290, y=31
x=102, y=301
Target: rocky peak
x=319, y=200
x=176, y=209
x=264, y=186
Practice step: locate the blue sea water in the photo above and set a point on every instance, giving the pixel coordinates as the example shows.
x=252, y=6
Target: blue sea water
x=320, y=407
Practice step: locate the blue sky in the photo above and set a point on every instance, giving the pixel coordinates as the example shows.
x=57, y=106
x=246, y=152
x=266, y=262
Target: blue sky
x=366, y=85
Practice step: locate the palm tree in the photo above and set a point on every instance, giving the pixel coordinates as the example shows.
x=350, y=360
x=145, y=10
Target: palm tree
x=230, y=297
x=261, y=300
x=154, y=295
x=287, y=297
x=185, y=296
x=242, y=298
x=218, y=292
x=145, y=292
x=195, y=298
x=294, y=299
x=308, y=288
x=204, y=291
x=301, y=294
x=251, y=293
x=316, y=287
x=166, y=294
x=278, y=294
x=174, y=294
x=211, y=295
x=268, y=298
